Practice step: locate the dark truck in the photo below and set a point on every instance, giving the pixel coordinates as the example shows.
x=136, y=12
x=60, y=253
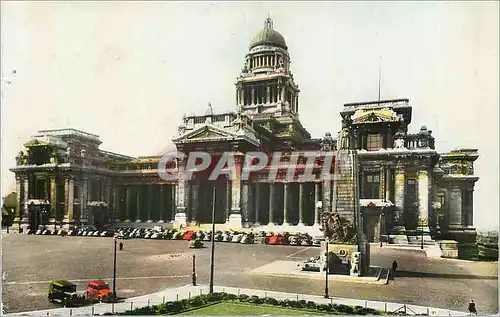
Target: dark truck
x=64, y=292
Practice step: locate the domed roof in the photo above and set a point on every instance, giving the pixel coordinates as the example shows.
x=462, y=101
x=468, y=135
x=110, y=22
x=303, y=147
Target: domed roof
x=268, y=36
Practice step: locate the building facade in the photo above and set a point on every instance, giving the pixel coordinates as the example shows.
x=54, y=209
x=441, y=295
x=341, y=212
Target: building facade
x=404, y=185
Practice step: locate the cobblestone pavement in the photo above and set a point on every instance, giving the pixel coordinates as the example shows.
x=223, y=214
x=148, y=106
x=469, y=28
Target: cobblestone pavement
x=147, y=266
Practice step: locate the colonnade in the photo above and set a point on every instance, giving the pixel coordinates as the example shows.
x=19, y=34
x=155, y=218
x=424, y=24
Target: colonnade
x=146, y=203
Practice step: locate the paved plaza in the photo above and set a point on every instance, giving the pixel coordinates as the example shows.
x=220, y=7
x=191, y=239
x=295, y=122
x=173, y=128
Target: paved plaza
x=147, y=266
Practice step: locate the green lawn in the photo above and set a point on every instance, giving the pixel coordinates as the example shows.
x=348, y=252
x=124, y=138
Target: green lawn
x=241, y=309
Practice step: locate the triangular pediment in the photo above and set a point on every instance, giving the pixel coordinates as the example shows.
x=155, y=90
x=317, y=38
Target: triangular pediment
x=374, y=115
x=205, y=133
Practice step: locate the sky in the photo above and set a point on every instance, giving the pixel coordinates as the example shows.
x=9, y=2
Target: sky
x=128, y=71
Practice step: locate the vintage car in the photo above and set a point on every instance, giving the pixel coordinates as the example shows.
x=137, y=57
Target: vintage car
x=227, y=237
x=247, y=238
x=64, y=292
x=237, y=238
x=98, y=290
x=189, y=235
x=207, y=236
x=218, y=236
x=195, y=244
x=312, y=264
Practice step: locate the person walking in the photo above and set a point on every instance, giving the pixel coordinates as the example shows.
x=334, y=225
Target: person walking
x=472, y=308
x=394, y=266
x=121, y=246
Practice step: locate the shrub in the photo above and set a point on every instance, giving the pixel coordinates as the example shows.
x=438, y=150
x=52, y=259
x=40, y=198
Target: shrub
x=270, y=301
x=243, y=297
x=323, y=307
x=256, y=300
x=311, y=305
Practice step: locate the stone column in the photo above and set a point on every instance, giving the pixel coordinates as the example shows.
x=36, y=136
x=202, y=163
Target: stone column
x=245, y=188
x=19, y=202
x=301, y=204
x=455, y=208
x=376, y=231
x=127, y=203
x=116, y=215
x=180, y=215
x=399, y=192
x=69, y=201
x=268, y=95
x=283, y=94
x=423, y=200
x=173, y=192
x=228, y=199
x=53, y=197
x=84, y=193
x=138, y=205
x=327, y=187
x=235, y=216
x=388, y=184
x=253, y=96
x=257, y=203
x=285, y=204
x=271, y=204
x=195, y=192
x=317, y=221
x=162, y=205
x=150, y=202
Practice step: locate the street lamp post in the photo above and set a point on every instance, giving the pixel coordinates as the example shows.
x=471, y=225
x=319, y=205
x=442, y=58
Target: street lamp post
x=114, y=270
x=382, y=220
x=212, y=255
x=319, y=206
x=422, y=240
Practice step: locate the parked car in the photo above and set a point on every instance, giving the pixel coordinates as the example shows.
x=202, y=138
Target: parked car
x=195, y=244
x=98, y=290
x=64, y=292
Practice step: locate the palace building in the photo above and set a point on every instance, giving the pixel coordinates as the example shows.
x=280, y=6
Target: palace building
x=404, y=185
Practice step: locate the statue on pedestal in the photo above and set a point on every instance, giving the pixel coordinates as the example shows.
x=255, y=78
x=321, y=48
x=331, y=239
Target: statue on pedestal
x=327, y=142
x=20, y=158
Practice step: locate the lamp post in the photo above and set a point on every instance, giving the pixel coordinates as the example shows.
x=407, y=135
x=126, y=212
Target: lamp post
x=114, y=270
x=319, y=206
x=212, y=255
x=422, y=240
x=382, y=220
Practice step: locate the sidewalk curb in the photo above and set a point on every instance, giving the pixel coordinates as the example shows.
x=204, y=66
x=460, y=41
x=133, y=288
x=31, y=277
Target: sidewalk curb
x=184, y=292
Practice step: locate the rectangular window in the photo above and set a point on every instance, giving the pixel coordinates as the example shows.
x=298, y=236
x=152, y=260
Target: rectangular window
x=441, y=199
x=373, y=142
x=372, y=186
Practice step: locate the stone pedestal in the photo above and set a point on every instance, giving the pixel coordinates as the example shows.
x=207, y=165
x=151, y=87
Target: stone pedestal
x=68, y=224
x=235, y=220
x=180, y=219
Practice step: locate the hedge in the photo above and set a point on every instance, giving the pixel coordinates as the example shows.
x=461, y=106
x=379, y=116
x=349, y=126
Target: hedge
x=176, y=307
